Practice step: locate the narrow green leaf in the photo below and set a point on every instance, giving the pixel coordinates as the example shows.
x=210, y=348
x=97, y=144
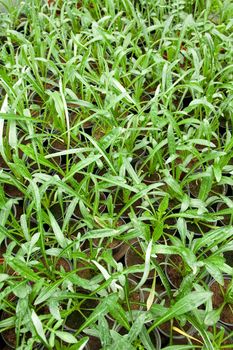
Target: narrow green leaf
x=57, y=231
x=67, y=337
x=38, y=326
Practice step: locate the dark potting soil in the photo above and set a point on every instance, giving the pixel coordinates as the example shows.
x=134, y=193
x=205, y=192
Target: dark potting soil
x=218, y=189
x=2, y=250
x=218, y=299
x=94, y=343
x=199, y=226
x=78, y=177
x=149, y=177
x=77, y=317
x=58, y=145
x=229, y=258
x=37, y=100
x=133, y=258
x=120, y=253
x=19, y=209
x=63, y=263
x=10, y=337
x=56, y=210
x=85, y=270
x=3, y=163
x=174, y=267
x=194, y=187
x=12, y=191
x=226, y=217
x=87, y=125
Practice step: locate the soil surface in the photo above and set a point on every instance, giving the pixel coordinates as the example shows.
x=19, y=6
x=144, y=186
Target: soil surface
x=86, y=269
x=218, y=299
x=10, y=337
x=229, y=258
x=194, y=187
x=174, y=267
x=2, y=250
x=227, y=217
x=77, y=317
x=87, y=125
x=12, y=191
x=19, y=209
x=200, y=226
x=3, y=163
x=149, y=177
x=78, y=177
x=120, y=253
x=218, y=189
x=58, y=145
x=56, y=210
x=63, y=263
x=94, y=343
